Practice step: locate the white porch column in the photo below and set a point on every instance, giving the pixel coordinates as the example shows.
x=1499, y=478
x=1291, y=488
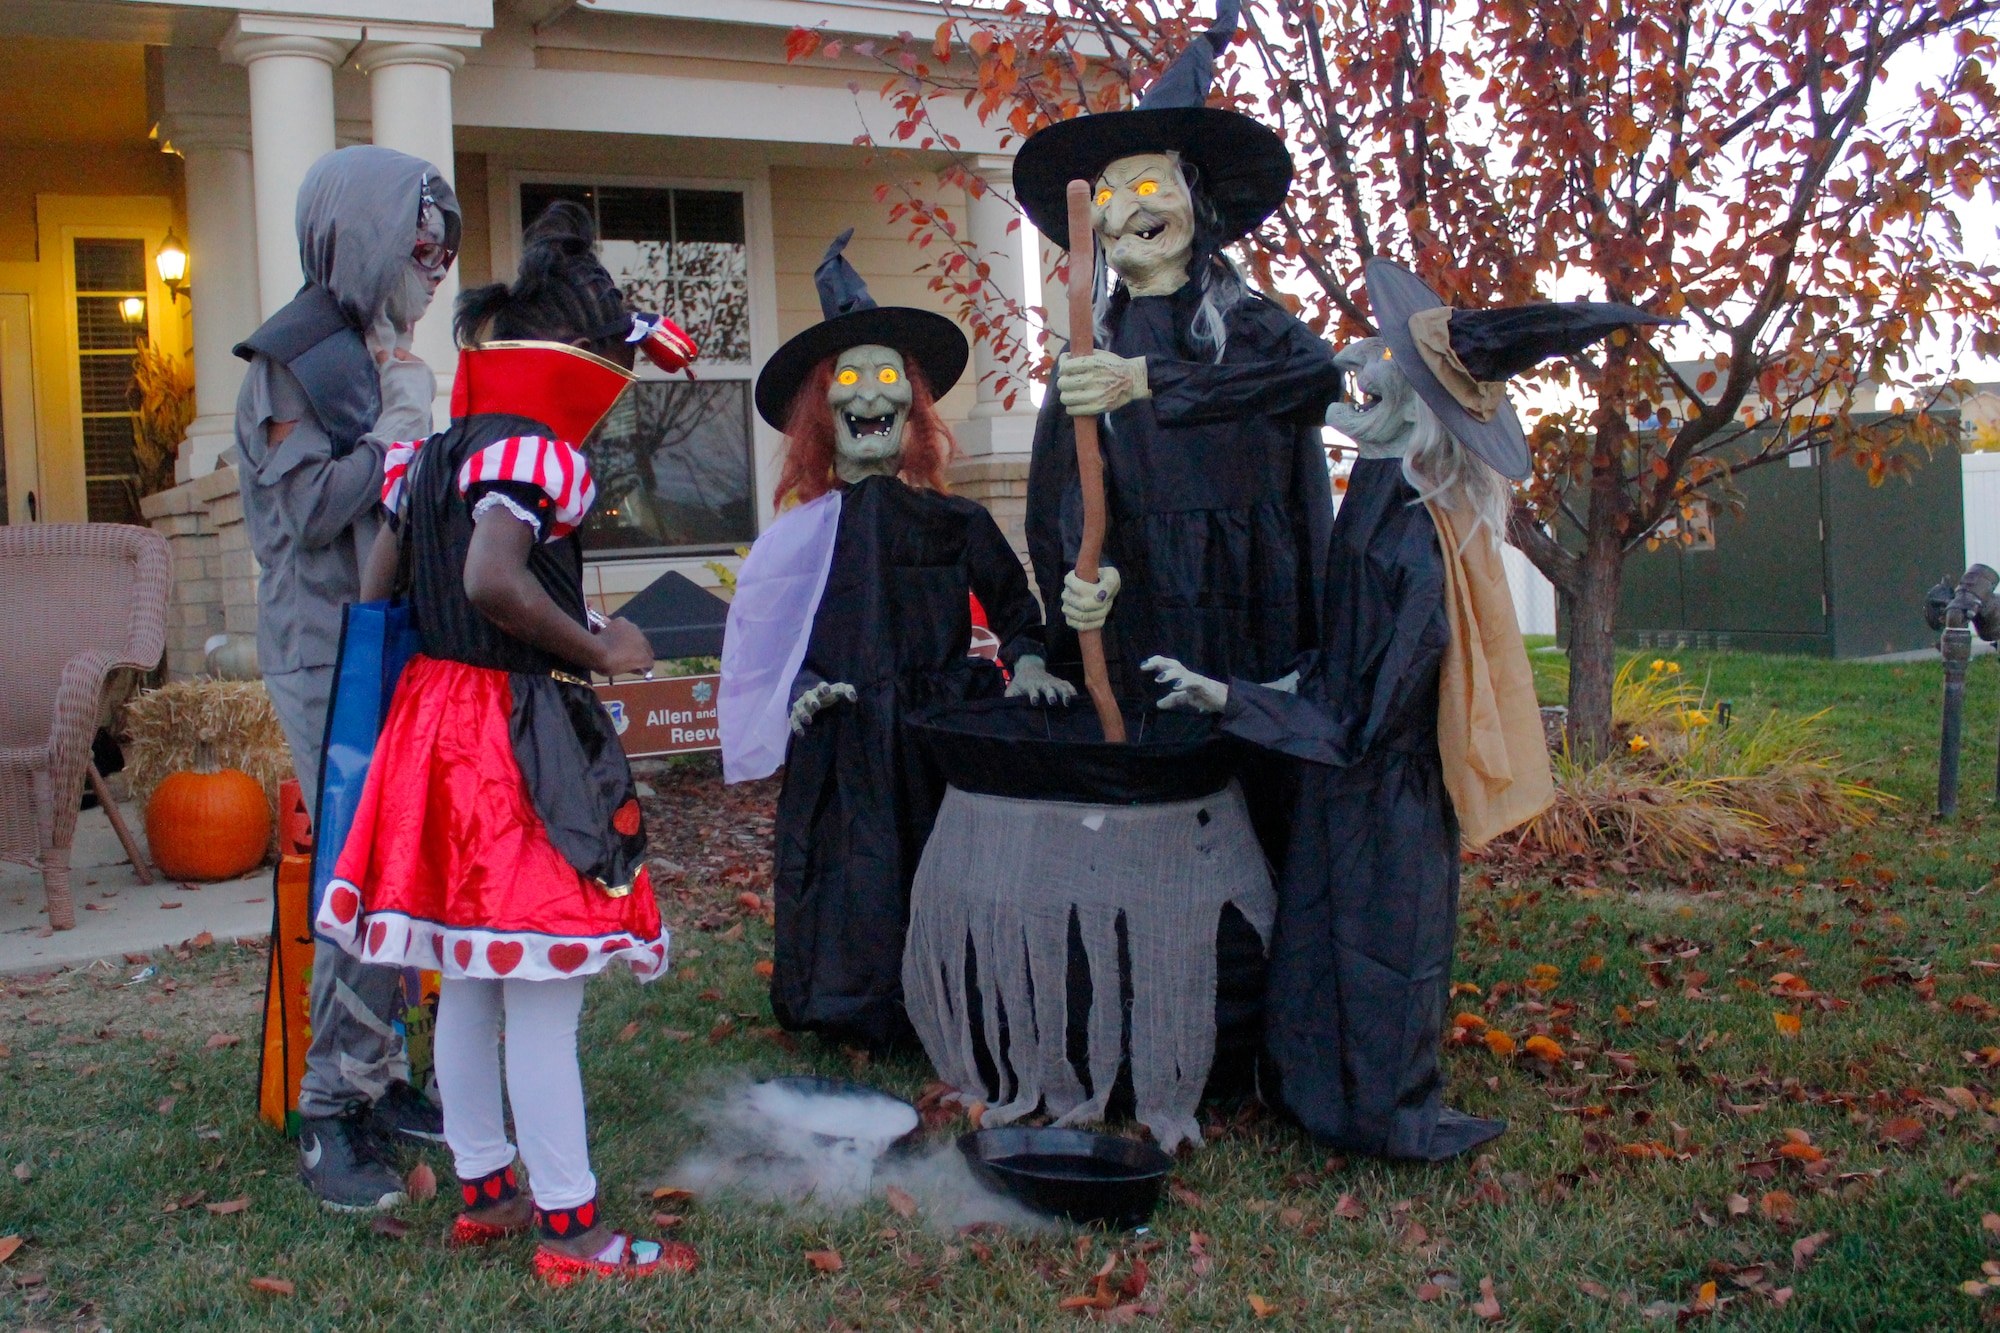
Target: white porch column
x=222, y=275
x=409, y=88
x=996, y=428
x=291, y=63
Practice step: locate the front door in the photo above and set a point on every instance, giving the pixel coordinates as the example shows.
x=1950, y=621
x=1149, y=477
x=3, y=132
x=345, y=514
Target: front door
x=20, y=464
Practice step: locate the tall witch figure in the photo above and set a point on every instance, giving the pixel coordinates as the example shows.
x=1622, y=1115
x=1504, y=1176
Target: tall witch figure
x=851, y=611
x=1415, y=714
x=1210, y=395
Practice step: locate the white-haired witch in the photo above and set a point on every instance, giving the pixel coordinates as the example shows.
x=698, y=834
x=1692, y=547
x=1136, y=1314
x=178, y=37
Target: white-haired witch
x=1415, y=716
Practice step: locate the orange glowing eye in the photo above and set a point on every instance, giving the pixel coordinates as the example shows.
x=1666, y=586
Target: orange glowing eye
x=1103, y=198
x=849, y=377
x=1148, y=187
x=887, y=375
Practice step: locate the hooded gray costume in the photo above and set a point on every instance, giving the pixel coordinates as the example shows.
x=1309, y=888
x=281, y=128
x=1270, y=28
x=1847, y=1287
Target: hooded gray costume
x=309, y=502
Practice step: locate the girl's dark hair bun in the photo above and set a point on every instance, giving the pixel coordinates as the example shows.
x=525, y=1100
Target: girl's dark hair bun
x=561, y=293
x=564, y=227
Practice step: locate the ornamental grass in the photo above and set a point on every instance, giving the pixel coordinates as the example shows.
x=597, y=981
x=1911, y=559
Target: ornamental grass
x=1685, y=781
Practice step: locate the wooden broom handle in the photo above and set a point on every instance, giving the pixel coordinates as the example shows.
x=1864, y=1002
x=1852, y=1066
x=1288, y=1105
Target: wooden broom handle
x=1089, y=462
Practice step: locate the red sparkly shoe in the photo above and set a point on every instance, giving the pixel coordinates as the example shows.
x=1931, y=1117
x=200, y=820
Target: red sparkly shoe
x=490, y=1190
x=621, y=1257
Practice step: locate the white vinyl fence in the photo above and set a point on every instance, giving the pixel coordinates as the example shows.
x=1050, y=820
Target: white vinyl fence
x=1982, y=509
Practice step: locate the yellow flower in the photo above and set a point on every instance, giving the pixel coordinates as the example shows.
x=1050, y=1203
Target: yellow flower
x=1696, y=718
x=1659, y=664
x=1673, y=668
x=1638, y=743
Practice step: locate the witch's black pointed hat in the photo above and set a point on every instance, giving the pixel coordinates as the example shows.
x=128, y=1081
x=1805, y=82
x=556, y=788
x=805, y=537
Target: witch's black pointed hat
x=852, y=319
x=1240, y=164
x=1459, y=361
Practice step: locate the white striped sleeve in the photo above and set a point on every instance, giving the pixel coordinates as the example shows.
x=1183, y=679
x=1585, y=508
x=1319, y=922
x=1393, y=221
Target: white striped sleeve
x=395, y=469
x=554, y=467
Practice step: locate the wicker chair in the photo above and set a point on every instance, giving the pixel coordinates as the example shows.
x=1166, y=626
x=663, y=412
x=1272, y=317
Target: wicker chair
x=77, y=601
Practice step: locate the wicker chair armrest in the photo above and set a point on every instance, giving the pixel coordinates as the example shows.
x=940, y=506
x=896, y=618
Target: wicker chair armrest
x=71, y=729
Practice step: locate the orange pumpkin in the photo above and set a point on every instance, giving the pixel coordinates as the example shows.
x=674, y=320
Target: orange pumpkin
x=208, y=826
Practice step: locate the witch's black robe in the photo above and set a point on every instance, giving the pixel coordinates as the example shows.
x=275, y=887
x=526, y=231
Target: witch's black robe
x=1360, y=970
x=860, y=796
x=1216, y=489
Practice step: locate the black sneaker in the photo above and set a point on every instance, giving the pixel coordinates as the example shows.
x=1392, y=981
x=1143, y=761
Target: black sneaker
x=342, y=1165
x=404, y=1114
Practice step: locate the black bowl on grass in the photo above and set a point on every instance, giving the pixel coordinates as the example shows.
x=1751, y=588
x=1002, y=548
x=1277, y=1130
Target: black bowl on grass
x=1070, y=1173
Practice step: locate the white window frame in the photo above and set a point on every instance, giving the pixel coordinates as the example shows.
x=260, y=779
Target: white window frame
x=767, y=445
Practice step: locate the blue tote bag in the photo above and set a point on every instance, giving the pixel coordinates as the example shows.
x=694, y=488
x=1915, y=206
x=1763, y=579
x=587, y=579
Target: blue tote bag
x=376, y=640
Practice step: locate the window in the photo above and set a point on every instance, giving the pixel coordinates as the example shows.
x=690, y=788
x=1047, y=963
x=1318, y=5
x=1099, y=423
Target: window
x=673, y=458
x=109, y=274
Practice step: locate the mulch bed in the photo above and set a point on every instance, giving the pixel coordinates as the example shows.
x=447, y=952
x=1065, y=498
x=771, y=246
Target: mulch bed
x=711, y=844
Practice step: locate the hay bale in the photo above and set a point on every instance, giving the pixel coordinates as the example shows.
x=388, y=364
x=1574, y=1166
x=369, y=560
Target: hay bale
x=167, y=728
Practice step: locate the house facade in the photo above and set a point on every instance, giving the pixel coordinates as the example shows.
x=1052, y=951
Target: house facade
x=150, y=155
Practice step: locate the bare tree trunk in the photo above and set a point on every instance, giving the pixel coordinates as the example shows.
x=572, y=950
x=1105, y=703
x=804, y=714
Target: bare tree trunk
x=1593, y=622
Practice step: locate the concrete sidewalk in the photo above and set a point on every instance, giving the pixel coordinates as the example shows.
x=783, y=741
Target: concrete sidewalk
x=115, y=914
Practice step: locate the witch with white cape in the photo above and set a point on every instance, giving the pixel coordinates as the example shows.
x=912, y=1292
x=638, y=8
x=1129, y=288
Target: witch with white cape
x=851, y=612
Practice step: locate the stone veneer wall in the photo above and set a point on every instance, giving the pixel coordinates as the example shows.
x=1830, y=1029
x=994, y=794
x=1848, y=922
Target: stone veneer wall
x=214, y=574
x=1000, y=484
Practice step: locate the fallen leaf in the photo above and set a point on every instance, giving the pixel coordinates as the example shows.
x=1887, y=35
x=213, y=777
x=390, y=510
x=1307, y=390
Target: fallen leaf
x=900, y=1202
x=1787, y=1024
x=8, y=1244
x=167, y=1105
x=395, y=1228
x=277, y=1286
x=1991, y=1222
x=669, y=1192
x=1704, y=1298
x=1905, y=1131
x=1499, y=1042
x=825, y=1261
x=1260, y=1307
x=1488, y=1305
x=1429, y=1291
x=225, y=1207
x=1184, y=1196
x=1780, y=1207
x=629, y=1031
x=711, y=995
x=1595, y=1290
x=1544, y=1048
x=222, y=1039
x=1134, y=1285
x=750, y=903
x=1971, y=1288
x=1737, y=1205
x=1801, y=1152
x=668, y=1221
x=1592, y=965
x=1349, y=1208
x=201, y=941
x=1295, y=1218
x=765, y=967
x=677, y=1034
x=24, y=1172
x=422, y=1182
x=1805, y=1247
x=1200, y=1260
x=722, y=1030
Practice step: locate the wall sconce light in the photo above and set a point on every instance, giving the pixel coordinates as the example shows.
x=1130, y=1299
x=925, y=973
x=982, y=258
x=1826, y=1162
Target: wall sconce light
x=172, y=262
x=133, y=310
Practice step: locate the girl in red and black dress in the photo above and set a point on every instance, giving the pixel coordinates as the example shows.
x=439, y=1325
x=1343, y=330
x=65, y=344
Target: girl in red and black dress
x=498, y=838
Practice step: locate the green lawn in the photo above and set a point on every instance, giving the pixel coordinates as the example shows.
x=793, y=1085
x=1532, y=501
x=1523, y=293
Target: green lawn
x=114, y=1107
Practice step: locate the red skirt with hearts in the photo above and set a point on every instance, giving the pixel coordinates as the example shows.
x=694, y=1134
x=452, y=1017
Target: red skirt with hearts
x=449, y=866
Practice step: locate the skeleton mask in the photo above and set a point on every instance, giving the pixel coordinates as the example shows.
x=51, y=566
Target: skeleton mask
x=1384, y=407
x=870, y=396
x=1144, y=220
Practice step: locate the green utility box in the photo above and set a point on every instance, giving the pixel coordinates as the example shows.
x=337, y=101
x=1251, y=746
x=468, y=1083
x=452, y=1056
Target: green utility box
x=1818, y=562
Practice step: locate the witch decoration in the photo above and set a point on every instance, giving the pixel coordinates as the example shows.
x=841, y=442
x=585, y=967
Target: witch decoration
x=852, y=610
x=1210, y=395
x=1415, y=714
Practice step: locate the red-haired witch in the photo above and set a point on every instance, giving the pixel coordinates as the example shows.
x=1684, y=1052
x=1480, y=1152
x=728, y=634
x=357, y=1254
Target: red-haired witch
x=851, y=612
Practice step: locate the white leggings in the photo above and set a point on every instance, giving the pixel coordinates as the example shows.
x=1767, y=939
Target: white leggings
x=542, y=1082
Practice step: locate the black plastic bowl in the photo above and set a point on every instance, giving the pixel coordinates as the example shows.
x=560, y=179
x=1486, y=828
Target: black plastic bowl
x=1071, y=1173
